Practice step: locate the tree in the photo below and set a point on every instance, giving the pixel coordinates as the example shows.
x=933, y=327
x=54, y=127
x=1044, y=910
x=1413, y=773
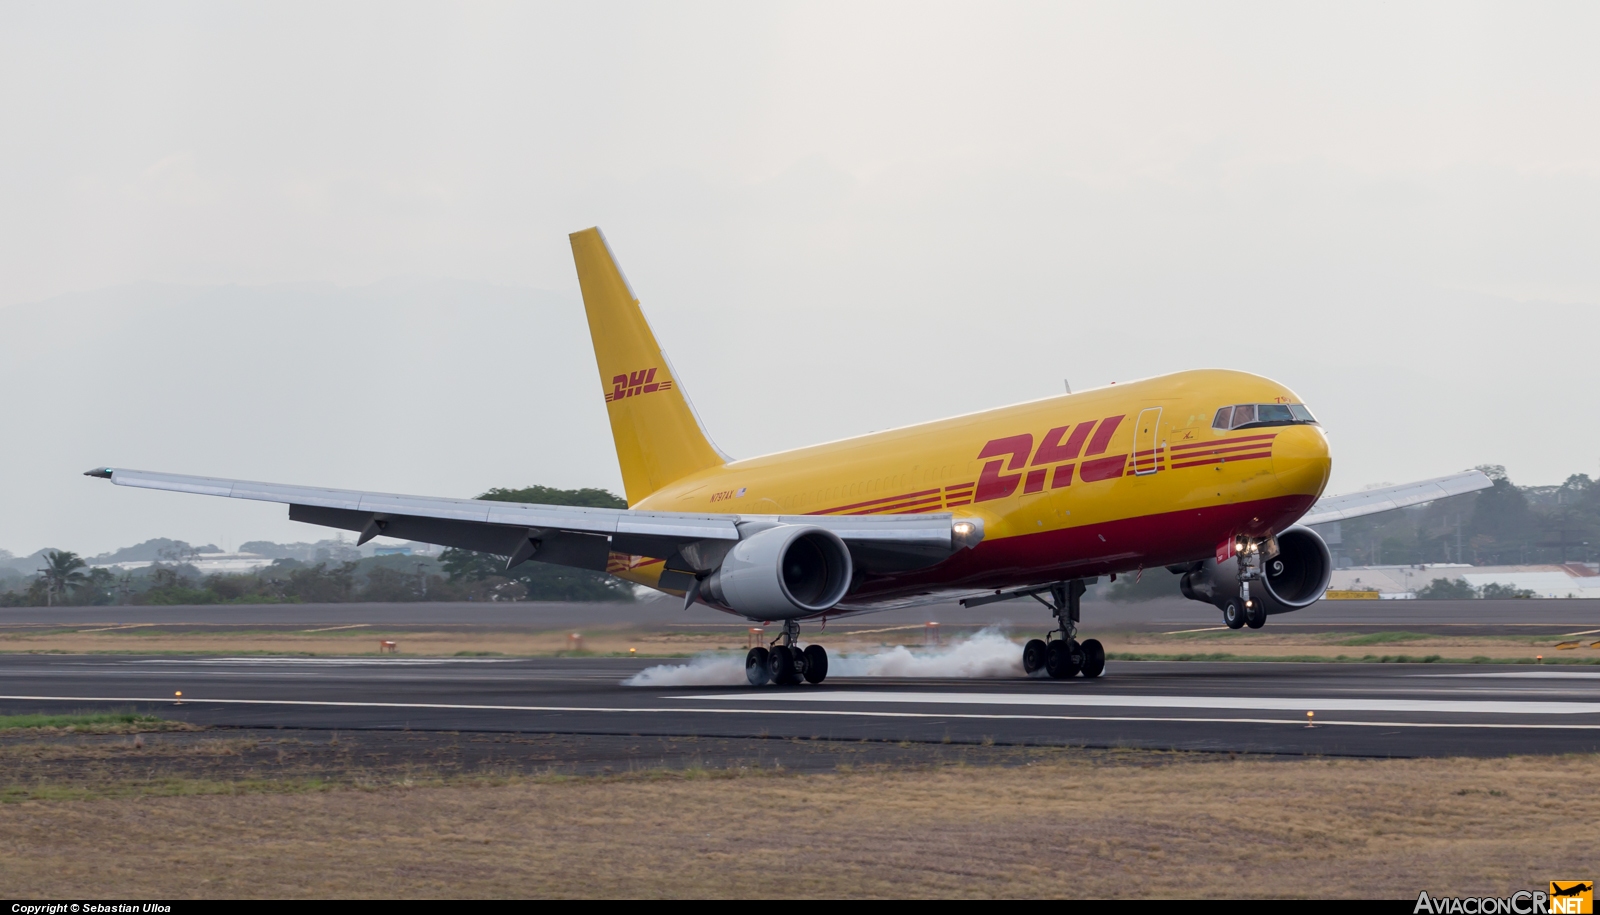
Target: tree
x=537, y=580
x=62, y=573
x=1447, y=589
x=1496, y=591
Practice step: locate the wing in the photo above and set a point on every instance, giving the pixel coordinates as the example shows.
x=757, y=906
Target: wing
x=1388, y=498
x=575, y=536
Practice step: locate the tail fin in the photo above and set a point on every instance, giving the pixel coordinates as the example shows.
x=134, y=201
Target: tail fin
x=658, y=436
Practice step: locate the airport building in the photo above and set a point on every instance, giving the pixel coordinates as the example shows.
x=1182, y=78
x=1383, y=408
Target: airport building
x=1571, y=580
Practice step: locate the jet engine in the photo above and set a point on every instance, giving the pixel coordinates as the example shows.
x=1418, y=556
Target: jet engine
x=786, y=572
x=1295, y=574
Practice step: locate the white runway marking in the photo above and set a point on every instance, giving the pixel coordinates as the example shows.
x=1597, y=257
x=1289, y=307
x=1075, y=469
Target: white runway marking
x=323, y=662
x=1252, y=703
x=832, y=713
x=1524, y=674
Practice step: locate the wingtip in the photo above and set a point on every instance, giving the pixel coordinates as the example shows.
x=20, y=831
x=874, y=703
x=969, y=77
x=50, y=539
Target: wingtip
x=102, y=473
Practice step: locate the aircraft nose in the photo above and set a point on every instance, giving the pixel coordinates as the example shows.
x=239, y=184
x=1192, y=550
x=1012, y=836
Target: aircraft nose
x=1301, y=460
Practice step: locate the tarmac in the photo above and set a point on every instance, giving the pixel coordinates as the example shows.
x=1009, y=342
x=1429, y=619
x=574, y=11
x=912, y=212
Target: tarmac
x=1369, y=710
x=1467, y=617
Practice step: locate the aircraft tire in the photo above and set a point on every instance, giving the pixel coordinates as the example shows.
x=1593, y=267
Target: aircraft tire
x=1063, y=659
x=1094, y=658
x=1033, y=657
x=816, y=658
x=1233, y=613
x=781, y=661
x=755, y=667
x=1255, y=617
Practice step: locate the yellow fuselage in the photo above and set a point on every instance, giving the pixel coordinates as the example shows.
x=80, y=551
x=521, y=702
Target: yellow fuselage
x=1114, y=479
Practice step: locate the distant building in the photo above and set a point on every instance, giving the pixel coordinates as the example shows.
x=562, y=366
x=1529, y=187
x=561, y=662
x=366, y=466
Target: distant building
x=1574, y=579
x=204, y=563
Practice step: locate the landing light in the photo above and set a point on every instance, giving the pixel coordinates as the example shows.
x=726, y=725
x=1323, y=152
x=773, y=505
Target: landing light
x=963, y=528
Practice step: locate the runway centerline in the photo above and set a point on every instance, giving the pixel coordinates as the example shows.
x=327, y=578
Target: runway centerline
x=1253, y=703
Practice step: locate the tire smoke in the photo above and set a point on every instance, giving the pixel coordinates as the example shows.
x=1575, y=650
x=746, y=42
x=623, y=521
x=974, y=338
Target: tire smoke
x=987, y=654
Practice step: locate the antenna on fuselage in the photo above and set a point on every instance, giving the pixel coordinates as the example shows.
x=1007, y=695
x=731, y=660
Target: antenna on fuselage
x=1068, y=383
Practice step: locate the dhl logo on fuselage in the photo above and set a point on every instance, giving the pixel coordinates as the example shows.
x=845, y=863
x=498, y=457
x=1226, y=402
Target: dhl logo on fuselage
x=635, y=383
x=1058, y=451
x=1062, y=453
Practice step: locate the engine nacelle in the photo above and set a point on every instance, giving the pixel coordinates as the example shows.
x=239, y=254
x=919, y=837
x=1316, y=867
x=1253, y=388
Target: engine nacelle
x=1296, y=577
x=783, y=572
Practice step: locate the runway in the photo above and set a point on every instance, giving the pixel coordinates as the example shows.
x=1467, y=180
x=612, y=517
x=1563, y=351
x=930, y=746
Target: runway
x=1359, y=710
x=1453, y=617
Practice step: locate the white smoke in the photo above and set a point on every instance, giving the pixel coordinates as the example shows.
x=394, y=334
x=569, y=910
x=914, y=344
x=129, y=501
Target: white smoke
x=703, y=670
x=987, y=654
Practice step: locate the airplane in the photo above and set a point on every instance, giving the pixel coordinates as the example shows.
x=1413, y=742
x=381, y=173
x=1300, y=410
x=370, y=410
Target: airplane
x=1211, y=474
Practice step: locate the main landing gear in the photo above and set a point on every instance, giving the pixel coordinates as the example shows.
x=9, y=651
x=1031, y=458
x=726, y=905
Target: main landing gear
x=786, y=664
x=1059, y=655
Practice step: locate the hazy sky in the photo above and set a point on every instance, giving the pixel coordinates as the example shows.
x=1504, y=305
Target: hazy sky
x=839, y=217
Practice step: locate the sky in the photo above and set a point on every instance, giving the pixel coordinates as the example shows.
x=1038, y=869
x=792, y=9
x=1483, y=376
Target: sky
x=325, y=243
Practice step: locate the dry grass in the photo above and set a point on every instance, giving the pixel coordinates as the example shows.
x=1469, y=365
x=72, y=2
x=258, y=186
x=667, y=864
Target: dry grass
x=1133, y=824
x=1245, y=645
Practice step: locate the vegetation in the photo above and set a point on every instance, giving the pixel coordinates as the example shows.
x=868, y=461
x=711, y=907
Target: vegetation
x=1454, y=589
x=538, y=580
x=91, y=721
x=1447, y=589
x=1506, y=524
x=459, y=575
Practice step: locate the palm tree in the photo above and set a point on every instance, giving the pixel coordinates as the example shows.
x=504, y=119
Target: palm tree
x=62, y=572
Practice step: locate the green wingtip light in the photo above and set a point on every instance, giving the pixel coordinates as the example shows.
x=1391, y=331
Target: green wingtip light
x=103, y=473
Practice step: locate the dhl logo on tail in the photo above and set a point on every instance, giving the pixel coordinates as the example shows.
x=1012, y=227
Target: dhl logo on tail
x=635, y=383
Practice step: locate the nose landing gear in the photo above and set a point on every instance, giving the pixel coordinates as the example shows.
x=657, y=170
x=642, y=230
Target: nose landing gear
x=786, y=664
x=1242, y=611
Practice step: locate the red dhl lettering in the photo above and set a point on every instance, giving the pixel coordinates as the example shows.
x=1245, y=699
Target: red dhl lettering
x=1003, y=471
x=633, y=384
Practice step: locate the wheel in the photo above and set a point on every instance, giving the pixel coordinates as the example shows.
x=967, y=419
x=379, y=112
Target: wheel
x=816, y=659
x=1063, y=659
x=755, y=667
x=1094, y=658
x=781, y=661
x=1033, y=656
x=1255, y=616
x=1233, y=613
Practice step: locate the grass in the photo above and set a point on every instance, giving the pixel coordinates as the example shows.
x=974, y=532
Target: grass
x=1134, y=824
x=96, y=722
x=1384, y=638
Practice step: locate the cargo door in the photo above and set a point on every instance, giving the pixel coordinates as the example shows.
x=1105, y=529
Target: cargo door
x=1147, y=444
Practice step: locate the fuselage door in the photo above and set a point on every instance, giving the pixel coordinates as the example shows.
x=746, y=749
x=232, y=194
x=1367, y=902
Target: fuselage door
x=1147, y=442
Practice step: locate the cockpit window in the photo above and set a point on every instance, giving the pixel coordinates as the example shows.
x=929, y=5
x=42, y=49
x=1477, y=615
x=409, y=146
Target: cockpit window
x=1250, y=415
x=1273, y=413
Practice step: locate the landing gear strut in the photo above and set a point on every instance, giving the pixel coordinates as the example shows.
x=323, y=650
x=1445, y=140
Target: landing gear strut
x=1243, y=611
x=786, y=664
x=1059, y=655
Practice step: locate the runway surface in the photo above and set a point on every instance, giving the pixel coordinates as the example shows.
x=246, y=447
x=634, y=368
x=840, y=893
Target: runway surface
x=1363, y=710
x=1466, y=617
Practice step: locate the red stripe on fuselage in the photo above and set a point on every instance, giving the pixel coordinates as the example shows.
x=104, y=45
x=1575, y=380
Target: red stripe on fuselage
x=1149, y=541
x=934, y=500
x=1225, y=441
x=1223, y=459
x=900, y=498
